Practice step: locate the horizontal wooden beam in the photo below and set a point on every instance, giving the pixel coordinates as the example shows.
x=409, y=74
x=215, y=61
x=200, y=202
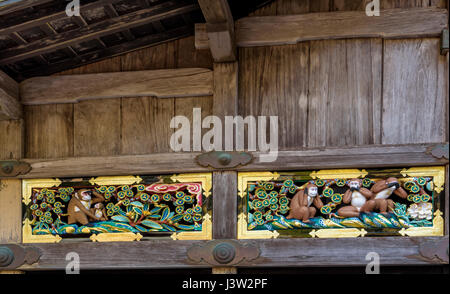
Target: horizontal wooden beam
x=94, y=31
x=291, y=29
x=184, y=82
x=274, y=253
x=166, y=163
x=10, y=107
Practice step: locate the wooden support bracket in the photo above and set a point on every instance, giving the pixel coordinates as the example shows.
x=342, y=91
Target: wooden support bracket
x=13, y=256
x=13, y=168
x=223, y=159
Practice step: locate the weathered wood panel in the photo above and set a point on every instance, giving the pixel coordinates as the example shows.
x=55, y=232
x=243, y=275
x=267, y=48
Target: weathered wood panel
x=11, y=139
x=413, y=105
x=225, y=205
x=281, y=253
x=10, y=211
x=10, y=107
x=179, y=162
x=49, y=131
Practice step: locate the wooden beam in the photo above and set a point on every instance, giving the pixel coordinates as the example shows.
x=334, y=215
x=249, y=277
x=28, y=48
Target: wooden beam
x=225, y=205
x=103, y=28
x=185, y=82
x=274, y=253
x=10, y=107
x=220, y=29
x=291, y=29
x=377, y=156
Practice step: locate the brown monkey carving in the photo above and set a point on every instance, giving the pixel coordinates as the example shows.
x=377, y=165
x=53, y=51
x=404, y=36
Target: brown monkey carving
x=99, y=211
x=382, y=190
x=79, y=206
x=359, y=199
x=304, y=203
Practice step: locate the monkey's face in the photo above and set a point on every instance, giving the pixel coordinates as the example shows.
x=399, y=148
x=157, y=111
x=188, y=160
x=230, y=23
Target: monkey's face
x=98, y=206
x=85, y=195
x=354, y=184
x=392, y=183
x=312, y=191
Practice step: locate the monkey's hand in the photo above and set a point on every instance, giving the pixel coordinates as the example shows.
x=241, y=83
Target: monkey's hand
x=396, y=185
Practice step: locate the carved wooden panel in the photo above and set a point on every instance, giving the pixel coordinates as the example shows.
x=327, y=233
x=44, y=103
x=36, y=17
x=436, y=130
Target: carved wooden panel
x=341, y=203
x=128, y=208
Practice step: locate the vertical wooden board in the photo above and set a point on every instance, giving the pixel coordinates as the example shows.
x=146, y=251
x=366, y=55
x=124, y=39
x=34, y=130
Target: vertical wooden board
x=10, y=211
x=285, y=7
x=49, y=131
x=364, y=91
x=274, y=82
x=318, y=93
x=162, y=56
x=97, y=122
x=344, y=92
x=413, y=105
x=11, y=139
x=145, y=125
x=224, y=205
x=225, y=89
x=188, y=56
x=145, y=120
x=320, y=5
x=97, y=127
x=349, y=5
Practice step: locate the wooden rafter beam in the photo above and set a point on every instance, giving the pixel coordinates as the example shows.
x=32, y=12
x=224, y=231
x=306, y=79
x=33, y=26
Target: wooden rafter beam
x=103, y=28
x=183, y=82
x=10, y=107
x=219, y=29
x=14, y=5
x=378, y=156
x=291, y=29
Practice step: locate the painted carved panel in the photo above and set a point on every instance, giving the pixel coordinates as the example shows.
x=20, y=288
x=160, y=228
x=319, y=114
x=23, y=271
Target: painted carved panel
x=127, y=208
x=341, y=203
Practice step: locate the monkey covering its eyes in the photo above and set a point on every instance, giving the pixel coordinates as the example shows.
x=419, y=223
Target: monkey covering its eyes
x=304, y=203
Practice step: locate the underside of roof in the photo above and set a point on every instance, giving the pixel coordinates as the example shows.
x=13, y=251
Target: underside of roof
x=38, y=38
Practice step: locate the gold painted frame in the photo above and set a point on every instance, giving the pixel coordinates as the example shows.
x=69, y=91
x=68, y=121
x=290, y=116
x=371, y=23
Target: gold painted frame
x=206, y=180
x=437, y=172
x=28, y=185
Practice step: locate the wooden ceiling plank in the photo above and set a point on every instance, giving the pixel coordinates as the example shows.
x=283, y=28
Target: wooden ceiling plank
x=10, y=107
x=6, y=8
x=185, y=82
x=220, y=29
x=291, y=29
x=94, y=31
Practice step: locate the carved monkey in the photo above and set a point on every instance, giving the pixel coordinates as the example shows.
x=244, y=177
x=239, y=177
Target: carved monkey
x=99, y=211
x=383, y=189
x=304, y=203
x=79, y=206
x=359, y=199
